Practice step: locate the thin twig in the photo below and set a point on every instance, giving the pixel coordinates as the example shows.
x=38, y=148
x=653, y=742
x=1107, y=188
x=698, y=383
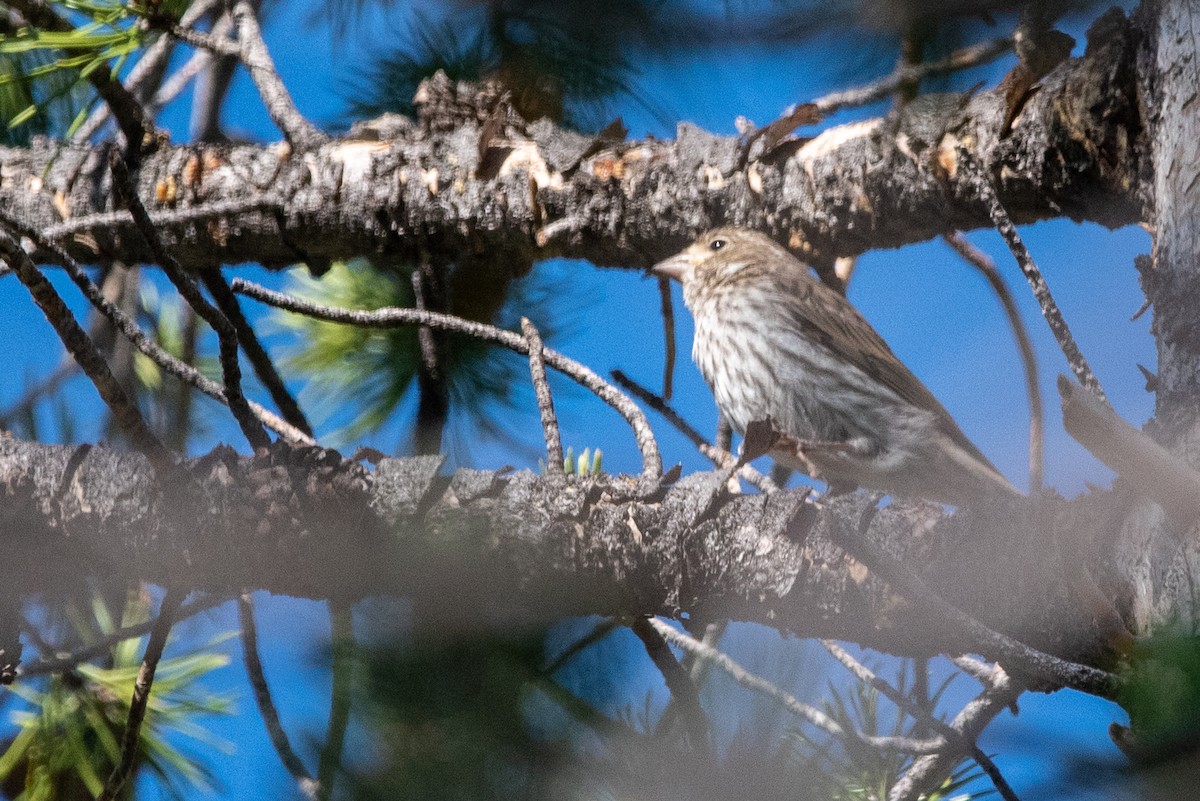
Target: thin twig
x=152, y=61
x=684, y=695
x=1033, y=391
x=180, y=78
x=341, y=628
x=128, y=327
x=720, y=457
x=927, y=772
x=46, y=386
x=103, y=646
x=227, y=341
x=965, y=58
x=668, y=318
x=433, y=397
x=201, y=213
x=982, y=672
x=906, y=582
x=545, y=401
x=391, y=317
x=598, y=633
x=266, y=707
x=189, y=333
x=924, y=717
x=983, y=187
x=811, y=714
x=696, y=668
x=904, y=75
x=131, y=740
x=299, y=132
x=257, y=355
x=84, y=351
x=210, y=42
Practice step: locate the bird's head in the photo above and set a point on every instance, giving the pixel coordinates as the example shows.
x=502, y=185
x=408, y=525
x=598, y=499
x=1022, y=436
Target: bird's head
x=721, y=255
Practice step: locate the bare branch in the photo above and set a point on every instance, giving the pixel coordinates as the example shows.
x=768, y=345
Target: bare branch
x=211, y=42
x=598, y=633
x=683, y=691
x=545, y=401
x=353, y=197
x=1033, y=390
x=123, y=218
x=259, y=359
x=668, y=318
x=131, y=740
x=131, y=331
x=927, y=772
x=972, y=56
x=266, y=707
x=1041, y=290
x=179, y=79
x=923, y=716
x=789, y=702
x=985, y=674
x=226, y=334
x=718, y=456
x=299, y=132
x=906, y=581
x=1152, y=469
x=84, y=351
x=341, y=636
x=391, y=317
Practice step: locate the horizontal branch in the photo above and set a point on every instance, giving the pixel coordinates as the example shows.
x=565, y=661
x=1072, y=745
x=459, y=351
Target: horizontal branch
x=433, y=186
x=307, y=522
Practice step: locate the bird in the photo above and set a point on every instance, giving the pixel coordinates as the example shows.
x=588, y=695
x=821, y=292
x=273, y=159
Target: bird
x=776, y=346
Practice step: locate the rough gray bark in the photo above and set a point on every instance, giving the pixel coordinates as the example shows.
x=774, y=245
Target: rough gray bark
x=1161, y=556
x=1075, y=149
x=536, y=548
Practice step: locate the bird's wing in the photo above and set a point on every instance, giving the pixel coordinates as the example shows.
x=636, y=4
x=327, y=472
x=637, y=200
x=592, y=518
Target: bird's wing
x=830, y=319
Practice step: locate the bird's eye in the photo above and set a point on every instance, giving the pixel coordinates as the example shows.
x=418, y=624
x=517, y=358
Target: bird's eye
x=717, y=244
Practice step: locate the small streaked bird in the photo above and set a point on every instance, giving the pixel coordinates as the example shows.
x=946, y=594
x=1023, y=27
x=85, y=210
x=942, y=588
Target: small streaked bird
x=776, y=345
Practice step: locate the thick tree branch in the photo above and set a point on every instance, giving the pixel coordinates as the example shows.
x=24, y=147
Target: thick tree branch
x=1077, y=151
x=306, y=522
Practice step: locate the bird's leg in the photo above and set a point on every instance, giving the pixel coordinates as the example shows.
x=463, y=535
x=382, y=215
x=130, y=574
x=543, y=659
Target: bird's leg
x=857, y=448
x=834, y=491
x=834, y=462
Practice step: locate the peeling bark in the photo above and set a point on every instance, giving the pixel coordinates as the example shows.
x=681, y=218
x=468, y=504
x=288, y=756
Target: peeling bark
x=1161, y=556
x=1075, y=149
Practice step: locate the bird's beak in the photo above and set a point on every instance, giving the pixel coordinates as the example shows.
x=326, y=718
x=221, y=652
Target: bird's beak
x=678, y=266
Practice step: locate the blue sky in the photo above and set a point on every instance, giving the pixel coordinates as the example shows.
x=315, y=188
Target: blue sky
x=936, y=313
